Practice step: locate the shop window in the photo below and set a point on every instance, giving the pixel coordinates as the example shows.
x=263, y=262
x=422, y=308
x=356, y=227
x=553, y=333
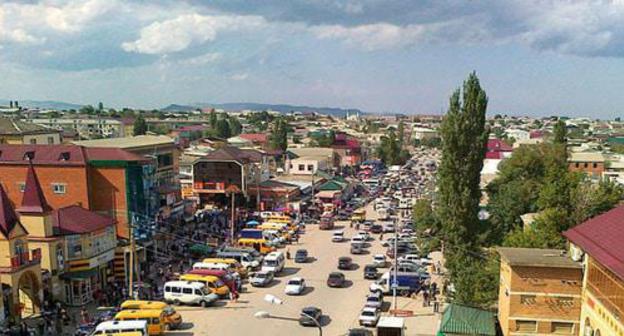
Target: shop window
x=526, y=326
x=564, y=328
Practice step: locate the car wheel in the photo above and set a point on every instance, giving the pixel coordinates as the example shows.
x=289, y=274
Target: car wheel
x=203, y=304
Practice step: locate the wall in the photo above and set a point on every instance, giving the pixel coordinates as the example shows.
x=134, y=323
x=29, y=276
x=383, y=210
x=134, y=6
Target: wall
x=108, y=195
x=74, y=177
x=591, y=168
x=42, y=139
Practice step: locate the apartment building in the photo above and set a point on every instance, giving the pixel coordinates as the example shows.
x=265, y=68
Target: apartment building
x=540, y=292
x=85, y=127
x=16, y=132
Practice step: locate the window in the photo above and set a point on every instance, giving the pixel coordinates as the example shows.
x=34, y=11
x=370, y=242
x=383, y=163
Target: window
x=577, y=165
x=198, y=292
x=585, y=165
x=50, y=140
x=527, y=299
x=187, y=291
x=562, y=327
x=167, y=289
x=175, y=290
x=58, y=188
x=155, y=320
x=566, y=301
x=33, y=141
x=595, y=165
x=310, y=167
x=526, y=326
x=21, y=186
x=29, y=155
x=301, y=167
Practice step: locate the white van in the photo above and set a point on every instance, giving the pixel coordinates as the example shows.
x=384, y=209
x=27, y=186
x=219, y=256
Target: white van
x=187, y=292
x=116, y=327
x=274, y=262
x=245, y=259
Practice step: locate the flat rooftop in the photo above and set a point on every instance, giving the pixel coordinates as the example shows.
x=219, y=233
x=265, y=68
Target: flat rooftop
x=128, y=142
x=536, y=257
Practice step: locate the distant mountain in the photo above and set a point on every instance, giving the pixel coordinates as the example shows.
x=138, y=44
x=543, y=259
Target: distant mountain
x=44, y=104
x=283, y=108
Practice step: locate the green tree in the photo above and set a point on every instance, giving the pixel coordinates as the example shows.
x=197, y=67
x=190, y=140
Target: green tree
x=235, y=126
x=424, y=218
x=222, y=129
x=401, y=133
x=390, y=151
x=87, y=109
x=279, y=135
x=100, y=107
x=212, y=119
x=140, y=125
x=464, y=139
x=559, y=132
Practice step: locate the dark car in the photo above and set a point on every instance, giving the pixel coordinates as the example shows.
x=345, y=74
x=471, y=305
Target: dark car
x=335, y=279
x=301, y=256
x=345, y=263
x=376, y=228
x=360, y=332
x=370, y=272
x=400, y=251
x=309, y=313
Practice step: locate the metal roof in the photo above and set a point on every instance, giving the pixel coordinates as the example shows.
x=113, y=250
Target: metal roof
x=536, y=257
x=462, y=320
x=129, y=142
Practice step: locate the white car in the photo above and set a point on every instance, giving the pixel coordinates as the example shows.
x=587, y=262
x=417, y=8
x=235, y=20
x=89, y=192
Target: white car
x=410, y=257
x=364, y=235
x=379, y=260
x=338, y=236
x=374, y=300
x=295, y=286
x=359, y=240
x=369, y=316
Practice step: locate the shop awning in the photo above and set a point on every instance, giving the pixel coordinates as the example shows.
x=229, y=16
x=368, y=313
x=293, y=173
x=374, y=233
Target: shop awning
x=79, y=274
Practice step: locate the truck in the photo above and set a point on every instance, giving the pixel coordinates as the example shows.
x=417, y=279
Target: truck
x=391, y=326
x=327, y=222
x=407, y=283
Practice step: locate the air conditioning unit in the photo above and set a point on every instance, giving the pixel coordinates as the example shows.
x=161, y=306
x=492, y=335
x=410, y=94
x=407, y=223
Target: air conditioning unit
x=576, y=253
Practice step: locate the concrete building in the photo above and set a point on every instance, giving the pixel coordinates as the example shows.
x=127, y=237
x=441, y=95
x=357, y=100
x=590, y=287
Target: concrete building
x=539, y=293
x=597, y=243
x=164, y=154
x=592, y=164
x=16, y=132
x=423, y=133
x=320, y=158
x=87, y=128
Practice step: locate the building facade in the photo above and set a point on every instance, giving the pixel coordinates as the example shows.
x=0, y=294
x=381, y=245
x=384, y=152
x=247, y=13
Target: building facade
x=598, y=244
x=539, y=293
x=16, y=132
x=86, y=128
x=592, y=164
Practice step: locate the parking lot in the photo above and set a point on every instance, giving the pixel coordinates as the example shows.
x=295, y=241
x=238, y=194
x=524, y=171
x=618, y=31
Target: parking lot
x=340, y=306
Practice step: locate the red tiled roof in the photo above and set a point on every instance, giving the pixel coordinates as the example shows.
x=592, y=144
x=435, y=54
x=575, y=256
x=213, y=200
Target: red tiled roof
x=494, y=155
x=602, y=237
x=43, y=154
x=497, y=145
x=76, y=220
x=33, y=200
x=8, y=217
x=254, y=137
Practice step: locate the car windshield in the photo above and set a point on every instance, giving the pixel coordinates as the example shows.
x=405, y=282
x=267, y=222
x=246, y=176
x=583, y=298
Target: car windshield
x=262, y=275
x=372, y=299
x=270, y=263
x=295, y=282
x=368, y=313
x=334, y=276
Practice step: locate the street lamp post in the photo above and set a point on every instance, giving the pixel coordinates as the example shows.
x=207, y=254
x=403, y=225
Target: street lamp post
x=272, y=299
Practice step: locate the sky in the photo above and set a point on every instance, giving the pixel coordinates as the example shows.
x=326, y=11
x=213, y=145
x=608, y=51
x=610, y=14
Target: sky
x=533, y=57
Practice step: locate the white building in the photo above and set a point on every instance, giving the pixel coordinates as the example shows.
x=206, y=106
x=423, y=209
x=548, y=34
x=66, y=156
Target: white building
x=86, y=128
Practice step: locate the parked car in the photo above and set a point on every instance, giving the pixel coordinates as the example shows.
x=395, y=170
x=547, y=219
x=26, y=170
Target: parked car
x=357, y=249
x=308, y=314
x=376, y=228
x=359, y=332
x=365, y=235
x=336, y=279
x=301, y=256
x=262, y=278
x=374, y=300
x=370, y=272
x=380, y=260
x=345, y=263
x=369, y=316
x=295, y=286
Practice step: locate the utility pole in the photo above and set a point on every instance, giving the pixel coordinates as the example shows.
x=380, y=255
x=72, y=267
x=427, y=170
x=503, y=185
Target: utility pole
x=132, y=247
x=395, y=281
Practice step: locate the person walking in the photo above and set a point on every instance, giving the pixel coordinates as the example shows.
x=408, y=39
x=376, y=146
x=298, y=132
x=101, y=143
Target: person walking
x=436, y=306
x=425, y=298
x=288, y=254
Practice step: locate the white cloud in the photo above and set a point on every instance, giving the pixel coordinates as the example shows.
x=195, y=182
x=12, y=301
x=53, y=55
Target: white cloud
x=202, y=59
x=373, y=36
x=179, y=33
x=240, y=77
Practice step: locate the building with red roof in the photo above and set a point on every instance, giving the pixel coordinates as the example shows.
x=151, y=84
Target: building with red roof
x=258, y=139
x=110, y=181
x=599, y=243
x=348, y=149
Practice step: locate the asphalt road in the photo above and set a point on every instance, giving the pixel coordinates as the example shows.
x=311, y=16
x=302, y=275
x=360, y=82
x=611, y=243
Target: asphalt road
x=340, y=306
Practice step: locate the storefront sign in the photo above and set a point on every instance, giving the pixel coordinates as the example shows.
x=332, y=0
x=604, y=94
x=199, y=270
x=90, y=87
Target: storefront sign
x=85, y=264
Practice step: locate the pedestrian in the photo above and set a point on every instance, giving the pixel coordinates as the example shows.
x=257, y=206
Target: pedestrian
x=84, y=315
x=23, y=329
x=58, y=327
x=434, y=290
x=438, y=267
x=436, y=306
x=381, y=236
x=288, y=254
x=425, y=298
x=297, y=238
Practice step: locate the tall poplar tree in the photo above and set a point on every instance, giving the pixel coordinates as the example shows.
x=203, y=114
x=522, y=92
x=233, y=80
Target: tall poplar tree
x=464, y=140
x=559, y=132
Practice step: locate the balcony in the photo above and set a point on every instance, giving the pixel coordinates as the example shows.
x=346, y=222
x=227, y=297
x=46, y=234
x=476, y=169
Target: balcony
x=24, y=260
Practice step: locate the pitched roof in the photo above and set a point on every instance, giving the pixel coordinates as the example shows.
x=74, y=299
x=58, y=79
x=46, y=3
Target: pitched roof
x=74, y=219
x=601, y=237
x=33, y=200
x=254, y=137
x=111, y=154
x=464, y=320
x=43, y=154
x=8, y=217
x=229, y=153
x=586, y=157
x=498, y=145
x=18, y=127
